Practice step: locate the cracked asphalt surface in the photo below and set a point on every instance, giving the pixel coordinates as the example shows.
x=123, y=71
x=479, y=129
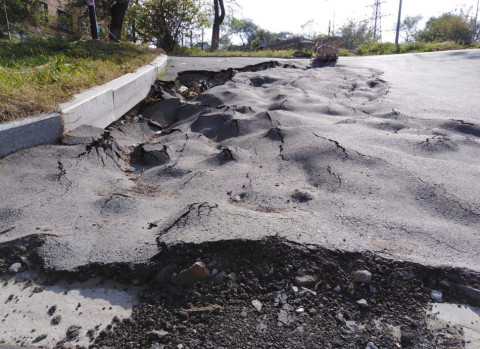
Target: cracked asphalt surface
x=375, y=154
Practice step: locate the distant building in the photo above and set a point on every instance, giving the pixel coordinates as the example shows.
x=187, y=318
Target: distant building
x=62, y=18
x=296, y=43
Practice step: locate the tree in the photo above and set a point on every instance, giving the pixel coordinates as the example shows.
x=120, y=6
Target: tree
x=409, y=28
x=354, y=33
x=308, y=29
x=244, y=28
x=114, y=12
x=219, y=16
x=16, y=12
x=130, y=31
x=447, y=27
x=163, y=21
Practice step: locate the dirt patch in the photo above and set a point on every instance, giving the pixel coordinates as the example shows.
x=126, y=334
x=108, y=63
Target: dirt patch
x=272, y=294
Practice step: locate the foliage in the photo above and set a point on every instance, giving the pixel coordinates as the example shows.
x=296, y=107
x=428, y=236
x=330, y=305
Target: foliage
x=244, y=29
x=163, y=21
x=354, y=33
x=18, y=12
x=308, y=29
x=409, y=27
x=447, y=27
x=35, y=76
x=377, y=48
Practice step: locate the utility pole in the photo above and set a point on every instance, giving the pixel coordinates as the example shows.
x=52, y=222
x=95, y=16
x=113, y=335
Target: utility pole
x=475, y=26
x=6, y=18
x=377, y=15
x=398, y=22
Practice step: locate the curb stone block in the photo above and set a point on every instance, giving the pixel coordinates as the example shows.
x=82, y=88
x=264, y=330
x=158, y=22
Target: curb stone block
x=22, y=134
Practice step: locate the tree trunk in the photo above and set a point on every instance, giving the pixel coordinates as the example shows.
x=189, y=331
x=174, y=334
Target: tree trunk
x=117, y=13
x=217, y=22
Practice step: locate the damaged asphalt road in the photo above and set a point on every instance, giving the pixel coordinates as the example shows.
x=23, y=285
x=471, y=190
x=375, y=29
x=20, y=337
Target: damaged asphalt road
x=352, y=158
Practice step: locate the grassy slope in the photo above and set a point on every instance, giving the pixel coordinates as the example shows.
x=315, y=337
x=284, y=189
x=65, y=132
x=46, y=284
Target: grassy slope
x=36, y=76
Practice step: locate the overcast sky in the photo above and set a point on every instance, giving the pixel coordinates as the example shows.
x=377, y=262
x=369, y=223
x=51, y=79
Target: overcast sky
x=278, y=15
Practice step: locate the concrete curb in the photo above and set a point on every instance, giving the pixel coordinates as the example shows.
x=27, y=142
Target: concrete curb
x=22, y=134
x=99, y=106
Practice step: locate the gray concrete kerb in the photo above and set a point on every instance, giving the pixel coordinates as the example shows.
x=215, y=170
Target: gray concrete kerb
x=102, y=105
x=99, y=106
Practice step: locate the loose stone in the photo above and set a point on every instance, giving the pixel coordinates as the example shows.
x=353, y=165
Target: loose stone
x=73, y=332
x=300, y=310
x=362, y=276
x=305, y=280
x=257, y=304
x=362, y=303
x=370, y=345
x=352, y=326
x=436, y=296
x=56, y=319
x=15, y=268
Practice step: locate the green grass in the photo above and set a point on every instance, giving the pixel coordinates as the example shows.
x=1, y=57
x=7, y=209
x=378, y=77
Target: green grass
x=263, y=53
x=376, y=48
x=36, y=76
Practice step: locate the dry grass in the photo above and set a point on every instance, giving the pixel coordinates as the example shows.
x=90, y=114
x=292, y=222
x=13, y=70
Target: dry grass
x=35, y=77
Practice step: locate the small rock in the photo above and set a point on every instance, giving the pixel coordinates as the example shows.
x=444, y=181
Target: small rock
x=306, y=290
x=183, y=89
x=337, y=289
x=158, y=334
x=362, y=276
x=40, y=338
x=180, y=346
x=232, y=276
x=15, y=268
x=215, y=272
x=196, y=271
x=436, y=296
x=370, y=345
x=56, y=319
x=295, y=289
x=220, y=277
x=362, y=303
x=73, y=332
x=257, y=304
x=300, y=310
x=405, y=276
x=52, y=310
x=306, y=280
x=445, y=283
x=372, y=289
x=352, y=326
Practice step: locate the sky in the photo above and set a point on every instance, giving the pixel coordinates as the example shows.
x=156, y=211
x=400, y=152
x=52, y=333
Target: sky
x=277, y=15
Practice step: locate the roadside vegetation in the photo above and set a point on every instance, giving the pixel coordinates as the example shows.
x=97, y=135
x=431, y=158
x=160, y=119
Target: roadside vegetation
x=37, y=75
